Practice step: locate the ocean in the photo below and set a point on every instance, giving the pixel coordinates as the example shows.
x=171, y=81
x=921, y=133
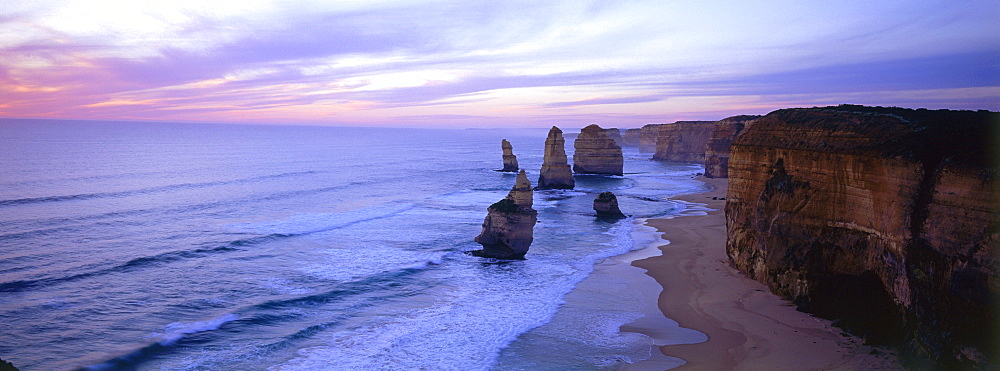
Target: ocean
x=182, y=246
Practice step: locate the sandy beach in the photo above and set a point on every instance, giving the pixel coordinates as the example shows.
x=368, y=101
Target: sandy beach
x=748, y=328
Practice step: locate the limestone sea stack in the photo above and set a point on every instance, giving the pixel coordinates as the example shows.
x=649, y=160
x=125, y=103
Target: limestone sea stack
x=683, y=141
x=555, y=173
x=509, y=225
x=509, y=160
x=882, y=218
x=606, y=206
x=596, y=153
x=717, y=149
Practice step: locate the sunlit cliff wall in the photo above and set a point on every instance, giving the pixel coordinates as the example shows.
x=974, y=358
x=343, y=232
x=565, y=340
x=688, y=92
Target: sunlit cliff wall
x=883, y=218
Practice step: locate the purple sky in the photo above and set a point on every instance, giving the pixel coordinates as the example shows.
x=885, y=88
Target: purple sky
x=489, y=63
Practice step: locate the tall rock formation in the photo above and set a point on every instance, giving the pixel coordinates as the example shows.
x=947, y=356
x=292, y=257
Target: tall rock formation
x=509, y=160
x=509, y=225
x=555, y=173
x=647, y=137
x=717, y=149
x=631, y=137
x=606, y=206
x=885, y=218
x=596, y=153
x=683, y=141
x=521, y=194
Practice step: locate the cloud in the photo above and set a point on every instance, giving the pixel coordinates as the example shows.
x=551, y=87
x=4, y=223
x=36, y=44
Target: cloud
x=601, y=101
x=313, y=60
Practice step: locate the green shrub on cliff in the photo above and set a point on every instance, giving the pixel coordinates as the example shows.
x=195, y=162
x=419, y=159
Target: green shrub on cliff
x=505, y=205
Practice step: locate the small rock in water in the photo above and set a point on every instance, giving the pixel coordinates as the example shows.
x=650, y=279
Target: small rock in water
x=606, y=206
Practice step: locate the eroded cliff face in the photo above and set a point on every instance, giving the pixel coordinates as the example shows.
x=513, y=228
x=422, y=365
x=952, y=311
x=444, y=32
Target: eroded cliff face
x=722, y=137
x=555, y=173
x=631, y=137
x=647, y=137
x=596, y=153
x=509, y=160
x=882, y=218
x=683, y=141
x=616, y=135
x=509, y=225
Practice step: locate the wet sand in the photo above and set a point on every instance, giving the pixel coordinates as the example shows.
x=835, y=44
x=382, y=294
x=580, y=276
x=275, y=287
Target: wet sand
x=748, y=328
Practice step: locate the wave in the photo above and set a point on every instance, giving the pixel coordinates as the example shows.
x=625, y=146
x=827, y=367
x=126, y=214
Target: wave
x=51, y=225
x=138, y=263
x=322, y=222
x=144, y=191
x=49, y=181
x=173, y=333
x=269, y=314
x=296, y=226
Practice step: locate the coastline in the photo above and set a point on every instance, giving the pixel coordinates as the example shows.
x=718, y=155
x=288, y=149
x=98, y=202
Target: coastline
x=747, y=326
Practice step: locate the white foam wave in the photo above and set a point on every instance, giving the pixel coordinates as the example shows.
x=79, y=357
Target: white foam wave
x=176, y=330
x=687, y=208
x=458, y=327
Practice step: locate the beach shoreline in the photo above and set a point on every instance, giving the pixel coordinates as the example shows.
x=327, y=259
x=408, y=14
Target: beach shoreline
x=747, y=326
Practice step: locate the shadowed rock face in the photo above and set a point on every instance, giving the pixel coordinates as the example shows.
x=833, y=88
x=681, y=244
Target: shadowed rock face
x=509, y=225
x=616, y=135
x=606, y=206
x=509, y=160
x=631, y=137
x=647, y=137
x=683, y=141
x=883, y=218
x=717, y=149
x=596, y=153
x=555, y=173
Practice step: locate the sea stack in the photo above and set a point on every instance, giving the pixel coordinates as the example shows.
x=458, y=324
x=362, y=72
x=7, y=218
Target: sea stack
x=596, y=152
x=606, y=206
x=555, y=173
x=509, y=225
x=509, y=160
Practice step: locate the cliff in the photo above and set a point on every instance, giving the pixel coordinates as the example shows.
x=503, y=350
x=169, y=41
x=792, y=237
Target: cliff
x=647, y=137
x=683, y=141
x=717, y=148
x=509, y=225
x=596, y=153
x=606, y=206
x=616, y=135
x=555, y=173
x=631, y=137
x=882, y=218
x=509, y=160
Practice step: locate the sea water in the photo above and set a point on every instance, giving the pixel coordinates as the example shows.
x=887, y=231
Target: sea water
x=240, y=247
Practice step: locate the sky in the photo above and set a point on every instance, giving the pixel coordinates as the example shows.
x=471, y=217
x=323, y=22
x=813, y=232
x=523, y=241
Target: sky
x=493, y=63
